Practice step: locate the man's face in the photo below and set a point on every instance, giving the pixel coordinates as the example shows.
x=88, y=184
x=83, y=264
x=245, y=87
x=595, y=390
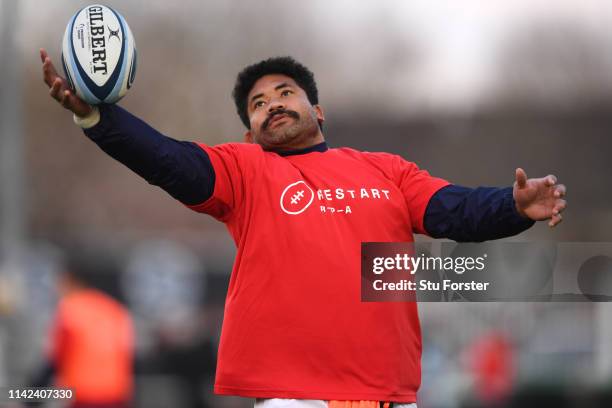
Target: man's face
x=281, y=115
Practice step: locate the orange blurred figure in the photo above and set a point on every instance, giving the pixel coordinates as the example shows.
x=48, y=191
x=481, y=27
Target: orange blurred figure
x=91, y=346
x=493, y=368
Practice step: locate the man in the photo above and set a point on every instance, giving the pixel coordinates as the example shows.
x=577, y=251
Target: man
x=295, y=333
x=91, y=343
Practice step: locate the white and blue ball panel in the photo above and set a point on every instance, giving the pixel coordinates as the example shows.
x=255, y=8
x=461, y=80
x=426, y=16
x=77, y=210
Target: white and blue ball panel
x=77, y=58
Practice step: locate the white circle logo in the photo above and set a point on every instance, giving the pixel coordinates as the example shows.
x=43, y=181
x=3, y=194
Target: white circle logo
x=296, y=198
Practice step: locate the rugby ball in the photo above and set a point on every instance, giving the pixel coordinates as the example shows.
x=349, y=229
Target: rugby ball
x=99, y=55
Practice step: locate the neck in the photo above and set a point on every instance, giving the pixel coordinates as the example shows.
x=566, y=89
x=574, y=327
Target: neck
x=305, y=144
x=302, y=143
x=321, y=148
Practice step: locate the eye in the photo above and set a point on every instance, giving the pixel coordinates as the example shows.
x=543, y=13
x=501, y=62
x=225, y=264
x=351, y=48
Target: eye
x=258, y=104
x=286, y=92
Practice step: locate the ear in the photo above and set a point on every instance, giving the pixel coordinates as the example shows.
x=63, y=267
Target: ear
x=320, y=115
x=248, y=137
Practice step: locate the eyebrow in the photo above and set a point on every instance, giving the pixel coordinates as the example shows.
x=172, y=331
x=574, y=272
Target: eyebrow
x=276, y=88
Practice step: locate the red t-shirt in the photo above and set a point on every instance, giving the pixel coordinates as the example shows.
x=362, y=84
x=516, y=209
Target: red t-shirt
x=294, y=324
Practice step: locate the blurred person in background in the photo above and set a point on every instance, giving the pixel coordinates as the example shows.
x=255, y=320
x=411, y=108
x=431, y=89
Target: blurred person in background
x=295, y=333
x=492, y=361
x=91, y=343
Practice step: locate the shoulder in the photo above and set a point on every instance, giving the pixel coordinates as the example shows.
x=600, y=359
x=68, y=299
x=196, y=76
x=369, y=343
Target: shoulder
x=233, y=148
x=235, y=156
x=388, y=163
x=382, y=157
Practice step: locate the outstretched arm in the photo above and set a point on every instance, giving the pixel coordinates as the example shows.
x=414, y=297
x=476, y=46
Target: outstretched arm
x=485, y=213
x=182, y=169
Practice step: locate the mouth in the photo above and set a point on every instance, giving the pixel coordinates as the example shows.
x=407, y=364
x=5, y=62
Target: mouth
x=277, y=118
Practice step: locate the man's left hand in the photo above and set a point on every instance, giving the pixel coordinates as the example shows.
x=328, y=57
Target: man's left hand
x=539, y=199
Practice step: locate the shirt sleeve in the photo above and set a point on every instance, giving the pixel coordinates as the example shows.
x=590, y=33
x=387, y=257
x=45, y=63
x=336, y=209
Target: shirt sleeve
x=474, y=215
x=181, y=168
x=235, y=167
x=417, y=187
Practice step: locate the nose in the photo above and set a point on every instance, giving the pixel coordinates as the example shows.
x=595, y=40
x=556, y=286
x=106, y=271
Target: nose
x=275, y=104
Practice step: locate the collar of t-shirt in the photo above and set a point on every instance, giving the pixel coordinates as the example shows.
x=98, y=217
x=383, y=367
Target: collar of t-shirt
x=321, y=147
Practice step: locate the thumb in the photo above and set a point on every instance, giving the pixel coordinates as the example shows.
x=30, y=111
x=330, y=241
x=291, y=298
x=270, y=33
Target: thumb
x=521, y=178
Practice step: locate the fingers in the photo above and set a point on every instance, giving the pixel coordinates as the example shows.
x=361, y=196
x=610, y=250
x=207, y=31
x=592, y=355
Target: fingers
x=555, y=220
x=56, y=89
x=47, y=75
x=556, y=217
x=66, y=99
x=560, y=191
x=69, y=101
x=59, y=92
x=560, y=205
x=521, y=177
x=551, y=180
x=49, y=71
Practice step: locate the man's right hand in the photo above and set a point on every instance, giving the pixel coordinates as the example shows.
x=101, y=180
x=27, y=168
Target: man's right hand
x=60, y=90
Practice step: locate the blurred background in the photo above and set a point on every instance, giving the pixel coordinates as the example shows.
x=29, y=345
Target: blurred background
x=468, y=90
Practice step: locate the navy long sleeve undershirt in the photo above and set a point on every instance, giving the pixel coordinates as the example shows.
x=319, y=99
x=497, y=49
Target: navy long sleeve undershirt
x=184, y=170
x=181, y=168
x=473, y=214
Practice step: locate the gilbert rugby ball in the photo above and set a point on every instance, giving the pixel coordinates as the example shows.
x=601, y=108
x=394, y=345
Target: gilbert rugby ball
x=99, y=55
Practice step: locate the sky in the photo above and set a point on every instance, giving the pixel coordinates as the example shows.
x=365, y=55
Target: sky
x=457, y=62
x=465, y=35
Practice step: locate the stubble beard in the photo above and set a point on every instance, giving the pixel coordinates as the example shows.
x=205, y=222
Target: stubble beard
x=289, y=134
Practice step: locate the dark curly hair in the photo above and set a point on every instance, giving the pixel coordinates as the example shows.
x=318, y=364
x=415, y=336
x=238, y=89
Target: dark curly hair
x=277, y=65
